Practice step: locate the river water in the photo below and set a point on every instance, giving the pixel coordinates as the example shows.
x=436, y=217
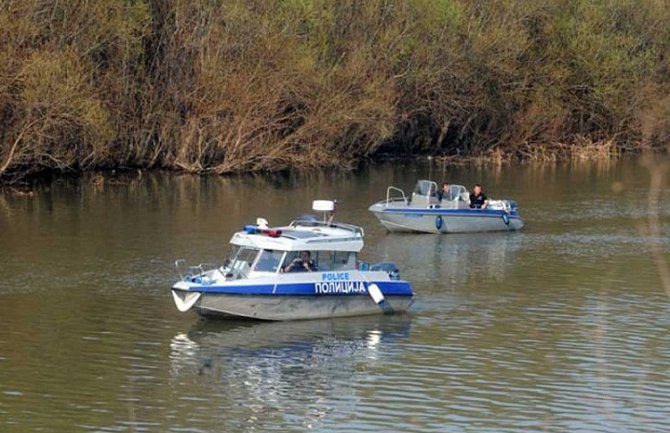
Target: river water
x=563, y=327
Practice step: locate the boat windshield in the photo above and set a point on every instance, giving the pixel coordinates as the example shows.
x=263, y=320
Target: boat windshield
x=425, y=188
x=241, y=259
x=269, y=261
x=456, y=192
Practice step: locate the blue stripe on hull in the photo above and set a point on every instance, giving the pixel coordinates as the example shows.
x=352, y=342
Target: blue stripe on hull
x=453, y=212
x=348, y=288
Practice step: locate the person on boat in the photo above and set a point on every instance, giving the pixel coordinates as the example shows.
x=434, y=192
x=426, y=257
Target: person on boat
x=302, y=264
x=478, y=199
x=444, y=192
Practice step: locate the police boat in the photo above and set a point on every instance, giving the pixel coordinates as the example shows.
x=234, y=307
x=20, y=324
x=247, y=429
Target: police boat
x=425, y=212
x=308, y=269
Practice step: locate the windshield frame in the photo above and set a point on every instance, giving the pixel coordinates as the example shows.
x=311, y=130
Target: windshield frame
x=237, y=262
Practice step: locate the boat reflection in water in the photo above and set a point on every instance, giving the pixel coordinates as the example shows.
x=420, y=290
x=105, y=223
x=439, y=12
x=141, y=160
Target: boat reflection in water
x=455, y=258
x=298, y=368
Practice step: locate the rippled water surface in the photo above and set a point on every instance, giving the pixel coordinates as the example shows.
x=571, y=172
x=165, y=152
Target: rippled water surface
x=563, y=327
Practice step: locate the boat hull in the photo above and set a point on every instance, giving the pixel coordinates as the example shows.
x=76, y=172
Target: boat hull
x=268, y=307
x=446, y=220
x=297, y=296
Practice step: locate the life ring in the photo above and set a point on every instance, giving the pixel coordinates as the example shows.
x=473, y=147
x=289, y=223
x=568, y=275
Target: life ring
x=438, y=222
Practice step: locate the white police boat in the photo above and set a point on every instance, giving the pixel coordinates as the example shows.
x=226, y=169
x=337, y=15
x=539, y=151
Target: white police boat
x=265, y=278
x=425, y=212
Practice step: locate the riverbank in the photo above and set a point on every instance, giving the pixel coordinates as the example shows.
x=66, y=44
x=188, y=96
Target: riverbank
x=558, y=155
x=583, y=150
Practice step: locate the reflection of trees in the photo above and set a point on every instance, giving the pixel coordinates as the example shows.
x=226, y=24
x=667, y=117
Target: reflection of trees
x=658, y=172
x=284, y=371
x=5, y=210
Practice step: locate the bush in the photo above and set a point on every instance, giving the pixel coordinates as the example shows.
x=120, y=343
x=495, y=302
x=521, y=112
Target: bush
x=227, y=86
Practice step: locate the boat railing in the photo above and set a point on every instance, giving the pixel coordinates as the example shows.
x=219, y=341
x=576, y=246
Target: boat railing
x=191, y=271
x=354, y=229
x=503, y=205
x=176, y=265
x=396, y=199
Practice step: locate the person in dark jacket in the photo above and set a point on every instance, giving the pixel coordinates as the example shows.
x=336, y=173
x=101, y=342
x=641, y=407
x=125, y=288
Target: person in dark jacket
x=303, y=264
x=478, y=199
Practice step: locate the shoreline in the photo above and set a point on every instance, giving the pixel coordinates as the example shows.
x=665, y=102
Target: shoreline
x=559, y=155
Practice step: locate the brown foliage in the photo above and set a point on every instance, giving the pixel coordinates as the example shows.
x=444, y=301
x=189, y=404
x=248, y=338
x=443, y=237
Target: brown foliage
x=229, y=85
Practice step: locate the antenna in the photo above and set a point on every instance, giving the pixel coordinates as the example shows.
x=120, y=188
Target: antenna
x=332, y=213
x=430, y=167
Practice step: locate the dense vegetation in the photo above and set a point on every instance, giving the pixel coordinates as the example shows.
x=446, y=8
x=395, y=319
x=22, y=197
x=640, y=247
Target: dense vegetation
x=242, y=85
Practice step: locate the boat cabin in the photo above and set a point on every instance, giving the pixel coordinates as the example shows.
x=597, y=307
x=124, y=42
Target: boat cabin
x=258, y=251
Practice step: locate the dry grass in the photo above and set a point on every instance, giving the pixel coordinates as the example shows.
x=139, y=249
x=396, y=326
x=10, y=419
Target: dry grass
x=582, y=150
x=228, y=86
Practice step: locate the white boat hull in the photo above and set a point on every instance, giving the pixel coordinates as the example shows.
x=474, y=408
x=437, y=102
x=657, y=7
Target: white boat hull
x=297, y=296
x=445, y=220
x=265, y=307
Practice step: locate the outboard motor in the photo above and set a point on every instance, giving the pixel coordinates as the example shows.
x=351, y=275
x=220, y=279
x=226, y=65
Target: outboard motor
x=388, y=267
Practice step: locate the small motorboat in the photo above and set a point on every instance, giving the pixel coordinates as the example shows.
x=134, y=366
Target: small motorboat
x=308, y=269
x=424, y=212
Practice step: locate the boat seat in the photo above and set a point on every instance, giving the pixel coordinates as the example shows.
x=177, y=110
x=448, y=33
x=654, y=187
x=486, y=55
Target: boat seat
x=451, y=203
x=422, y=200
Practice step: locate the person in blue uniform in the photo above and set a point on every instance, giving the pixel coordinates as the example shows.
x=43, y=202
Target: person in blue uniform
x=478, y=199
x=303, y=264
